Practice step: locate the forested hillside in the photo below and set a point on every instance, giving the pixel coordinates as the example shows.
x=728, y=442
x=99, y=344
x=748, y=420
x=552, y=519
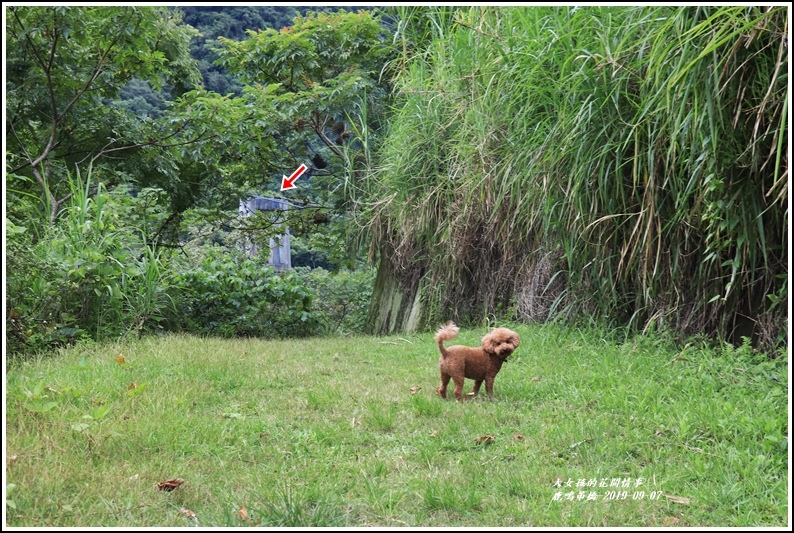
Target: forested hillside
x=232, y=22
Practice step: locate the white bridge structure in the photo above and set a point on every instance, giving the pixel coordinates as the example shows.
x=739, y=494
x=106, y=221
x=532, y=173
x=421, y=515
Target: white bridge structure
x=280, y=253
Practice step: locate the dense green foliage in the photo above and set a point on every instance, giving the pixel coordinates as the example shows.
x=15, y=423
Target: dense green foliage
x=65, y=68
x=341, y=299
x=92, y=276
x=618, y=164
x=167, y=154
x=313, y=94
x=235, y=295
x=232, y=22
x=228, y=297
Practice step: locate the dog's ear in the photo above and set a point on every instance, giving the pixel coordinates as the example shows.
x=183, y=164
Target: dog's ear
x=489, y=343
x=514, y=340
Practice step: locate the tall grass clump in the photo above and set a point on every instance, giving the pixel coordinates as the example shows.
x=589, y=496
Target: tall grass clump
x=618, y=164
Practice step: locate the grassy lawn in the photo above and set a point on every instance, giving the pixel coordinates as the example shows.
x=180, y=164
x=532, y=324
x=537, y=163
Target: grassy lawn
x=349, y=432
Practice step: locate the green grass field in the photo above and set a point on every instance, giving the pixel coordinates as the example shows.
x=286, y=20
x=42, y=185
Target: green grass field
x=349, y=432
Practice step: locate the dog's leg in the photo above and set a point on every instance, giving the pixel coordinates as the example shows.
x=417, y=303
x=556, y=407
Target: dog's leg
x=442, y=390
x=476, y=388
x=458, y=387
x=489, y=386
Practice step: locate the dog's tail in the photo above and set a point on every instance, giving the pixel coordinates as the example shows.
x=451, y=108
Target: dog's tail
x=445, y=333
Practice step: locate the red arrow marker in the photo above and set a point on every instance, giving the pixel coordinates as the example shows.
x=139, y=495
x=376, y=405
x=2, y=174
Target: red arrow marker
x=287, y=183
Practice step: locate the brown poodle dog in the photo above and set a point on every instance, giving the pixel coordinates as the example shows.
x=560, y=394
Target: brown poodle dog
x=480, y=364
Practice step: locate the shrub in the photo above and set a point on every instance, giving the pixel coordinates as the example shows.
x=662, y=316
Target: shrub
x=230, y=295
x=91, y=275
x=36, y=317
x=342, y=298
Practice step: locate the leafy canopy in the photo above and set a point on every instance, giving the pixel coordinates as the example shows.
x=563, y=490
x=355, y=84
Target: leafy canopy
x=310, y=93
x=66, y=66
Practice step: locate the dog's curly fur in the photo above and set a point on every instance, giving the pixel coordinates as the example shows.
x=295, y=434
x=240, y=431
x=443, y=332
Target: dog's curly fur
x=480, y=364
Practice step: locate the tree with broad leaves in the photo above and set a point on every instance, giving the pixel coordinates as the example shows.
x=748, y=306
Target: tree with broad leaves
x=313, y=94
x=65, y=67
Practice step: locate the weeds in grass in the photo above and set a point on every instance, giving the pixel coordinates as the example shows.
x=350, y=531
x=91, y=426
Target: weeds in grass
x=294, y=506
x=381, y=417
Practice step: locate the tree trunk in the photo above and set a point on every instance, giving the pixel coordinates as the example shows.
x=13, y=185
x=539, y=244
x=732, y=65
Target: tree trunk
x=395, y=307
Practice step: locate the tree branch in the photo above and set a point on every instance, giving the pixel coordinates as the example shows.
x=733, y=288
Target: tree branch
x=318, y=129
x=157, y=143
